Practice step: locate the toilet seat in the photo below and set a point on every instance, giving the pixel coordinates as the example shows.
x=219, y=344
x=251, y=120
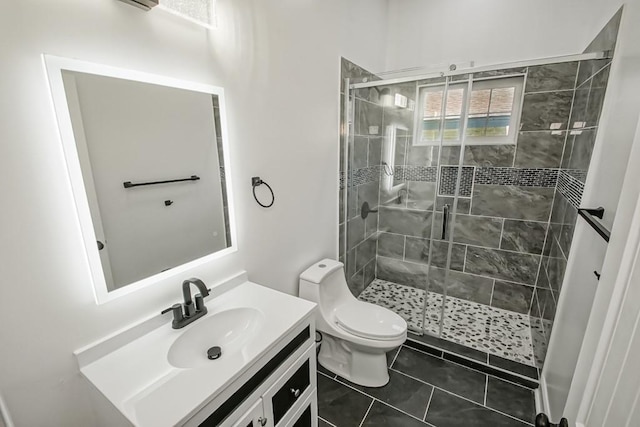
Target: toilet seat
x=370, y=321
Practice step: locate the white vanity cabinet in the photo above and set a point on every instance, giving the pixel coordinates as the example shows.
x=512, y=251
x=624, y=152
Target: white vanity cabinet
x=282, y=393
x=265, y=376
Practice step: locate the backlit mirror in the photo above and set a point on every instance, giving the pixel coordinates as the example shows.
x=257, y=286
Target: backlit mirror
x=147, y=163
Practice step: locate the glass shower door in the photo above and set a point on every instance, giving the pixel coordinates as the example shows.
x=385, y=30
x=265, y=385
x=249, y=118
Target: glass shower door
x=440, y=128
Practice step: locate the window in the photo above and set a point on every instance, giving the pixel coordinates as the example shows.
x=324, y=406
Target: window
x=494, y=108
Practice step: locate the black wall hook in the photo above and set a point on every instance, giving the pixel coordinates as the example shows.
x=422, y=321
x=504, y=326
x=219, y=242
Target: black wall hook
x=256, y=182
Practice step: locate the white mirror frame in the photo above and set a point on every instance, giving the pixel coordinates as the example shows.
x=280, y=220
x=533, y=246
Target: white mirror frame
x=54, y=66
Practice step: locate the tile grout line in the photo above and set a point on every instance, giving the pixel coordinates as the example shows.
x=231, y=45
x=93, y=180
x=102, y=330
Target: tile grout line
x=396, y=356
x=486, y=389
x=428, y=403
x=366, y=413
x=331, y=424
x=375, y=399
x=462, y=397
x=473, y=369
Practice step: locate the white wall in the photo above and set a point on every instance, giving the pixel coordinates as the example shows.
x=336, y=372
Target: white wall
x=279, y=63
x=435, y=33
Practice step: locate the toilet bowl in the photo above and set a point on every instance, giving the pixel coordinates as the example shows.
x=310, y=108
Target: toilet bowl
x=355, y=335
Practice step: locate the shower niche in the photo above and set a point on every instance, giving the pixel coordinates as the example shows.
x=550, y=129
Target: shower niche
x=475, y=176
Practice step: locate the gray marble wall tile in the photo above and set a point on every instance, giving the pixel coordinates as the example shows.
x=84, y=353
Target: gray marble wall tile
x=450, y=155
x=596, y=99
x=371, y=225
x=489, y=155
x=422, y=155
x=528, y=203
x=547, y=304
x=369, y=193
x=512, y=296
x=421, y=195
x=464, y=204
x=360, y=151
x=589, y=68
x=541, y=110
x=542, y=281
x=369, y=272
x=417, y=249
x=555, y=270
x=401, y=272
x=478, y=230
x=582, y=149
x=460, y=285
x=540, y=149
x=368, y=115
x=400, y=151
x=440, y=251
x=579, y=109
x=404, y=221
x=523, y=236
x=355, y=232
x=395, y=199
x=566, y=230
x=341, y=212
x=365, y=252
x=356, y=283
x=351, y=262
x=535, y=309
x=607, y=37
x=375, y=151
x=551, y=77
x=391, y=245
x=352, y=202
x=503, y=265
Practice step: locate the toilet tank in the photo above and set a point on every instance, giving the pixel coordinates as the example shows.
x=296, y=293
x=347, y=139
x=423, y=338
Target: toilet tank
x=324, y=282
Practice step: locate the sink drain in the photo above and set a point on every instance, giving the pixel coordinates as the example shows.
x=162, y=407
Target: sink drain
x=214, y=353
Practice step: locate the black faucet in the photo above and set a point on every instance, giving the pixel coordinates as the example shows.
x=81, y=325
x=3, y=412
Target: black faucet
x=188, y=311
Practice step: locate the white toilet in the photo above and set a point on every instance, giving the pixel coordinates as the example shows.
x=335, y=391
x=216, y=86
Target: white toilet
x=355, y=335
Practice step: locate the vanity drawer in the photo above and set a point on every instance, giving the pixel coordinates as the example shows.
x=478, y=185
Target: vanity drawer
x=307, y=414
x=292, y=391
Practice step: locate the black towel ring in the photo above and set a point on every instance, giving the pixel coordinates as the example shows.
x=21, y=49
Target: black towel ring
x=256, y=182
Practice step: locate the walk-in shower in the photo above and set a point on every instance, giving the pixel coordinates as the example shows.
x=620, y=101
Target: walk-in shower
x=470, y=181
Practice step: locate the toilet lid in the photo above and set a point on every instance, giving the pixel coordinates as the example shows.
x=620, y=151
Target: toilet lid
x=370, y=321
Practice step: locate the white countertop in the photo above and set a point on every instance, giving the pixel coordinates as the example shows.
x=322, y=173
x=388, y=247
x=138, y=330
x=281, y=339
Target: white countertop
x=140, y=382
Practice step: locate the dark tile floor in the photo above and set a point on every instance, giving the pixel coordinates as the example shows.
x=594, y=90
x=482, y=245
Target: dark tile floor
x=424, y=390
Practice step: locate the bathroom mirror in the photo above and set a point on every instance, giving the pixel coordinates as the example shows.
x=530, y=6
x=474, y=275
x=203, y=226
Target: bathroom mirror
x=147, y=161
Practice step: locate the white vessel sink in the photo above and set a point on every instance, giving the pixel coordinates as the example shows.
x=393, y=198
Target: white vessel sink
x=231, y=330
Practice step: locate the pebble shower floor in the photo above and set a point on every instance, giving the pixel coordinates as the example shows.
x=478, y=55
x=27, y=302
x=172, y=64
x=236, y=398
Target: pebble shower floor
x=501, y=332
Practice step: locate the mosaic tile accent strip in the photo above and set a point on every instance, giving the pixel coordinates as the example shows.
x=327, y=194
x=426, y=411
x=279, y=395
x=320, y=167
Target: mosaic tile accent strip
x=449, y=177
x=522, y=177
x=501, y=332
x=570, y=188
x=415, y=173
x=365, y=175
x=579, y=174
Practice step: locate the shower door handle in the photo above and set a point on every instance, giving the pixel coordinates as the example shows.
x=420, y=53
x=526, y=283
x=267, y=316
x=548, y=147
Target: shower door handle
x=445, y=219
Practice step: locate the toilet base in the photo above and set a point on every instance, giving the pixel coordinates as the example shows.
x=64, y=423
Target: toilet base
x=361, y=365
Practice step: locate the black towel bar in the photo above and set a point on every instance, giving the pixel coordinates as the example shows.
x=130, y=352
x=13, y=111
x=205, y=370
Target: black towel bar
x=129, y=184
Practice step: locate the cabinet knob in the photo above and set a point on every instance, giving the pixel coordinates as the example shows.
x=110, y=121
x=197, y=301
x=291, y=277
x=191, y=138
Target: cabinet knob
x=295, y=392
x=262, y=421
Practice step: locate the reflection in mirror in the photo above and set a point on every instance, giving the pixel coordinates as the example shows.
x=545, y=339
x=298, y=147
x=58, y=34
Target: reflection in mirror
x=151, y=162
